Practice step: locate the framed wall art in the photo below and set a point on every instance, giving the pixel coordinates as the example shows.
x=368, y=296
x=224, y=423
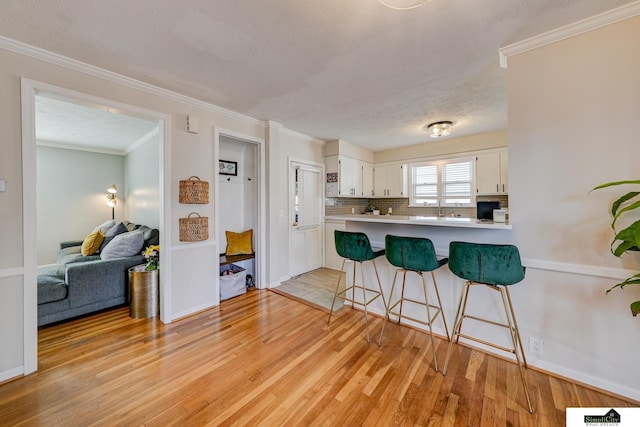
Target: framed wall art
x=228, y=168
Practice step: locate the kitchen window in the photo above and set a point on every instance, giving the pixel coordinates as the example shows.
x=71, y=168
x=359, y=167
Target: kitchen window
x=442, y=183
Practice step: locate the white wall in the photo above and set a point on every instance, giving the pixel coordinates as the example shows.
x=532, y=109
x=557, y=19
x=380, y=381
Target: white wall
x=72, y=187
x=282, y=145
x=142, y=183
x=189, y=268
x=573, y=124
x=442, y=147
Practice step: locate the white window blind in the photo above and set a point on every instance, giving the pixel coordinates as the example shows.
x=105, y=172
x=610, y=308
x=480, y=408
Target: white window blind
x=457, y=182
x=424, y=183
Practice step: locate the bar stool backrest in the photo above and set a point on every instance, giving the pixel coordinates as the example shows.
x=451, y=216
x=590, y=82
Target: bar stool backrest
x=353, y=245
x=486, y=263
x=411, y=253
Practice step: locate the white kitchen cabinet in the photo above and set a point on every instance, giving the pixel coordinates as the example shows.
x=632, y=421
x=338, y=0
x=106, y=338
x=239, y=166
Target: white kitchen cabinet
x=367, y=179
x=331, y=257
x=492, y=173
x=390, y=180
x=354, y=177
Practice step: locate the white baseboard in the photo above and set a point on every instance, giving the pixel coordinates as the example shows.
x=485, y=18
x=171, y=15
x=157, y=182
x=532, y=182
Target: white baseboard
x=11, y=374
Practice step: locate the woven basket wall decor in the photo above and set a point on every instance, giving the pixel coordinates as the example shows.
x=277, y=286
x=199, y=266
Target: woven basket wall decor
x=194, y=229
x=193, y=190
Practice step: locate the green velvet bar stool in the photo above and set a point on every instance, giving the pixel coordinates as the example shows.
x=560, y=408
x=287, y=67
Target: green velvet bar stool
x=496, y=267
x=355, y=246
x=417, y=255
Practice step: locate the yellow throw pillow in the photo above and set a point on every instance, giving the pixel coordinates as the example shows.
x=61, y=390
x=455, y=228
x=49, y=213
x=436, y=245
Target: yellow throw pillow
x=239, y=243
x=92, y=243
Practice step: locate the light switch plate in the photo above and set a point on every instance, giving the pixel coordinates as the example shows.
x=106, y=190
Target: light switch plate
x=3, y=185
x=192, y=124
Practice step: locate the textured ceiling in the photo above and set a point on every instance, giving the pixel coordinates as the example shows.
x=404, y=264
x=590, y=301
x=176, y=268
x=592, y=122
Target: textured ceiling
x=88, y=127
x=353, y=70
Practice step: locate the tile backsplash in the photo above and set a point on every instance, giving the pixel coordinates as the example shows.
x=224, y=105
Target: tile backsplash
x=400, y=206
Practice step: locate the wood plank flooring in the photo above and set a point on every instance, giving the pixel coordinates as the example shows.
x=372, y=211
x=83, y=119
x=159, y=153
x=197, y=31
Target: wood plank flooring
x=265, y=359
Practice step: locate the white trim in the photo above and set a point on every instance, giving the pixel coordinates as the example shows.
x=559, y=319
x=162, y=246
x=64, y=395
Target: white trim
x=29, y=89
x=88, y=148
x=152, y=133
x=606, y=18
x=297, y=134
x=72, y=64
x=578, y=269
x=29, y=233
x=11, y=373
x=194, y=310
x=11, y=272
x=559, y=267
x=187, y=246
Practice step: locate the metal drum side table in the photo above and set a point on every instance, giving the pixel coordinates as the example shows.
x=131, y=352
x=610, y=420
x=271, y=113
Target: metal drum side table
x=143, y=292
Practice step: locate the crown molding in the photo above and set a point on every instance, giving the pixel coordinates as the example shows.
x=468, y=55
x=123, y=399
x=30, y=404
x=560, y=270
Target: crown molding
x=78, y=147
x=148, y=136
x=606, y=18
x=300, y=135
x=72, y=64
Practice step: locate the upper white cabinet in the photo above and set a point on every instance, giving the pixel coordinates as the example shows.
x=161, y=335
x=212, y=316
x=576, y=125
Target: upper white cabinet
x=390, y=180
x=354, y=177
x=492, y=173
x=367, y=180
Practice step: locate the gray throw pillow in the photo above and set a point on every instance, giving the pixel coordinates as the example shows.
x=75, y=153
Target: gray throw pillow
x=111, y=233
x=104, y=226
x=123, y=245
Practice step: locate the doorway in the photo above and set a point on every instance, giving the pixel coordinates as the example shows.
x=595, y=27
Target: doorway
x=161, y=122
x=305, y=195
x=240, y=197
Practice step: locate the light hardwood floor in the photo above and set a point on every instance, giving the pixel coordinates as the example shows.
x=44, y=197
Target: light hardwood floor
x=265, y=359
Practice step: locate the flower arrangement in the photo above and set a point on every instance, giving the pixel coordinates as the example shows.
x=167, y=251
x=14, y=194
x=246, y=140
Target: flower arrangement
x=152, y=255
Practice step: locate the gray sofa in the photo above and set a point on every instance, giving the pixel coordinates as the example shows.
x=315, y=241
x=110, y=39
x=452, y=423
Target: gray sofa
x=78, y=285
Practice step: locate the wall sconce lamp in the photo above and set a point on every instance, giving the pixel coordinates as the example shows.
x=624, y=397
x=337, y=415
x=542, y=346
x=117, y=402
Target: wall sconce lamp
x=112, y=199
x=439, y=129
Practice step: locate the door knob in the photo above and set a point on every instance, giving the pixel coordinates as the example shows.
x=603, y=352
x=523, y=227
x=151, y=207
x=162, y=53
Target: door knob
x=295, y=224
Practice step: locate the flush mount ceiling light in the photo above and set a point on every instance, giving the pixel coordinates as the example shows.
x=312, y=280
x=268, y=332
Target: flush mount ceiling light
x=403, y=4
x=439, y=129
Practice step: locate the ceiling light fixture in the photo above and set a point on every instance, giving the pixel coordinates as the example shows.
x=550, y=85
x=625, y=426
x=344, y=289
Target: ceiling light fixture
x=439, y=129
x=403, y=4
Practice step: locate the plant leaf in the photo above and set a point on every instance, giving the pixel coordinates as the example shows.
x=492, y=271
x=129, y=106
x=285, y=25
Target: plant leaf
x=630, y=207
x=610, y=184
x=633, y=280
x=622, y=248
x=635, y=308
x=616, y=205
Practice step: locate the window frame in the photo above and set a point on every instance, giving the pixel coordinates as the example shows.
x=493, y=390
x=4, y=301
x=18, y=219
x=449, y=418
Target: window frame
x=440, y=165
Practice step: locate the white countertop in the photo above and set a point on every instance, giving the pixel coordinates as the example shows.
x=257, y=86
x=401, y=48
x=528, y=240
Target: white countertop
x=445, y=221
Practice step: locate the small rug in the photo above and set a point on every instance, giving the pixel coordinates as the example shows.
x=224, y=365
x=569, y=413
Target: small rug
x=315, y=288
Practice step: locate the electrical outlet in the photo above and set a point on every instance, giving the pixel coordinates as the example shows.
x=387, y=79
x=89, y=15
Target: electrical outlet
x=536, y=345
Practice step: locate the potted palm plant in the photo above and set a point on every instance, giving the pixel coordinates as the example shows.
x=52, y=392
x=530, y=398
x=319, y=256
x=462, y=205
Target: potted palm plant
x=627, y=239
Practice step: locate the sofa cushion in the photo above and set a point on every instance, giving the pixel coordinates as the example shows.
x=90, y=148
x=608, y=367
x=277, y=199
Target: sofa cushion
x=123, y=245
x=111, y=233
x=92, y=243
x=55, y=270
x=50, y=289
x=105, y=226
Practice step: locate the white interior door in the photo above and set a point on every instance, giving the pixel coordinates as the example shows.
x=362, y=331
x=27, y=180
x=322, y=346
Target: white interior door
x=306, y=215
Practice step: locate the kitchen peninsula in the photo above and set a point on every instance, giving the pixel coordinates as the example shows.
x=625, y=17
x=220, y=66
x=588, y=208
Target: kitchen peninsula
x=441, y=231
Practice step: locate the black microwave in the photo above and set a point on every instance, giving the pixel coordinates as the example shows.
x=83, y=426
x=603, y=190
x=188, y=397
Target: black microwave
x=484, y=210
